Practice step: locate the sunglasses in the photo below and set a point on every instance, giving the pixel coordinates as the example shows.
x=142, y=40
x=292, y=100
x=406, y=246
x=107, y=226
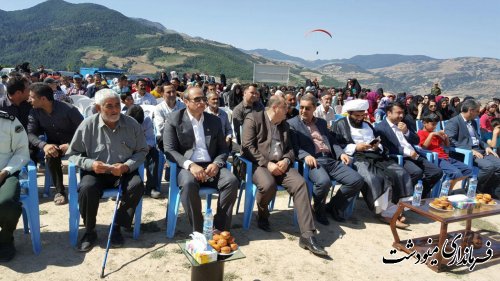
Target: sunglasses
x=199, y=99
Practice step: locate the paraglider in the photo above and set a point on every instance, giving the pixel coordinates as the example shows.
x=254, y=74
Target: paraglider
x=319, y=30
x=317, y=52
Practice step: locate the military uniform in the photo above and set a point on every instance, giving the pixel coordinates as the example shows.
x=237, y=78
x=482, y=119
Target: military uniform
x=14, y=154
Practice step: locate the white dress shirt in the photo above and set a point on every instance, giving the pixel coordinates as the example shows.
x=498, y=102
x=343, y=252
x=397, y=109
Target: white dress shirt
x=407, y=147
x=146, y=99
x=472, y=131
x=200, y=153
x=161, y=111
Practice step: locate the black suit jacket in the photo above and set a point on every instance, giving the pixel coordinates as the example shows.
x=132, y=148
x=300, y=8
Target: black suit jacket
x=179, y=140
x=302, y=141
x=389, y=139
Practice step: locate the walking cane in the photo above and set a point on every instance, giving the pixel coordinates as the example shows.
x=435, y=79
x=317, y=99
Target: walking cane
x=118, y=198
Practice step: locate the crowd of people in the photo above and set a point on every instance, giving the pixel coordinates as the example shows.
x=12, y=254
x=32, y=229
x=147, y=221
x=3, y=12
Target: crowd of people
x=349, y=134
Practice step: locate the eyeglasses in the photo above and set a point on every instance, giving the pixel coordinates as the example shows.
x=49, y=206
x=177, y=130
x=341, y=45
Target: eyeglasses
x=199, y=99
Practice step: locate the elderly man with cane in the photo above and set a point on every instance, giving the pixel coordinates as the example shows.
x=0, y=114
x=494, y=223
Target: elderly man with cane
x=108, y=147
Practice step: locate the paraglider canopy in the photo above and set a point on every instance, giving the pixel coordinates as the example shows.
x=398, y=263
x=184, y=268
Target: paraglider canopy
x=319, y=30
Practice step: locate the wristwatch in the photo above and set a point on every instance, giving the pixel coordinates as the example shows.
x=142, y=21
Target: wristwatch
x=219, y=164
x=288, y=161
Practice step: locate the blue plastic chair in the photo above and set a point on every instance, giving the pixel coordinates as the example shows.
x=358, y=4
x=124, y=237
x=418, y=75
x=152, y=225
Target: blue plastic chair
x=174, y=199
x=348, y=210
x=31, y=211
x=74, y=213
x=250, y=194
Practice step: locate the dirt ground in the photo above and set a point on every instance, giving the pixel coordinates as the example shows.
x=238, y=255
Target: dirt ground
x=356, y=249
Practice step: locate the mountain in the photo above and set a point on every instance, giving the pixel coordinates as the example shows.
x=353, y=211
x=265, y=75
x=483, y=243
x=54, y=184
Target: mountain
x=279, y=56
x=457, y=77
x=364, y=61
x=384, y=60
x=149, y=23
x=66, y=36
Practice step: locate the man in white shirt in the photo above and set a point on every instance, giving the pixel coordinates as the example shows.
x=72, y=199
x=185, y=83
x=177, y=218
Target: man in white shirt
x=170, y=104
x=141, y=96
x=325, y=110
x=193, y=139
x=398, y=139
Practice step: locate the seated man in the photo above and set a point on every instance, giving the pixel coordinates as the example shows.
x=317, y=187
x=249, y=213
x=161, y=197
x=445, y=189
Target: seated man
x=213, y=108
x=315, y=145
x=398, y=139
x=382, y=175
x=291, y=103
x=462, y=132
x=251, y=102
x=108, y=147
x=58, y=121
x=168, y=105
x=266, y=143
x=194, y=140
x=325, y=110
x=14, y=154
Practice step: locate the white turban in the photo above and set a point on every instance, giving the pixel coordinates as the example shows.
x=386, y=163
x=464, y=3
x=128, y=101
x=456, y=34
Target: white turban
x=355, y=105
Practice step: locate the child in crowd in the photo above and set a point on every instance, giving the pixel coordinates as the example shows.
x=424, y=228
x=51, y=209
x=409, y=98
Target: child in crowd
x=431, y=140
x=492, y=138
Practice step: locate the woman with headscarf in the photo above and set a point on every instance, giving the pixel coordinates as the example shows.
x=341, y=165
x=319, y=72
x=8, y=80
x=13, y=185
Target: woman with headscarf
x=338, y=102
x=235, y=96
x=454, y=106
x=380, y=112
x=432, y=107
x=373, y=99
x=412, y=115
x=443, y=108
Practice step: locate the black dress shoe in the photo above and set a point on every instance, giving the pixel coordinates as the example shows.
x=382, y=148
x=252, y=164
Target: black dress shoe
x=7, y=251
x=320, y=215
x=87, y=242
x=117, y=240
x=264, y=224
x=335, y=213
x=312, y=245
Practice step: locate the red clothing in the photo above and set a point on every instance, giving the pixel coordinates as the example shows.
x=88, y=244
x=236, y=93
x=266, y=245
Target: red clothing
x=434, y=146
x=485, y=122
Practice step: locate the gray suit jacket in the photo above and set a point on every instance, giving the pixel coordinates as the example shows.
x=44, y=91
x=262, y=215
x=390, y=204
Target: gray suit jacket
x=179, y=140
x=457, y=131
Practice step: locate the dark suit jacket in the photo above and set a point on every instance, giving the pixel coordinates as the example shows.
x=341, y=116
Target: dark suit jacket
x=179, y=140
x=302, y=140
x=389, y=139
x=256, y=139
x=457, y=131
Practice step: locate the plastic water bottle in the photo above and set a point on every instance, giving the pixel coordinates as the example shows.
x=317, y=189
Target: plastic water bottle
x=471, y=192
x=445, y=188
x=23, y=180
x=417, y=194
x=208, y=224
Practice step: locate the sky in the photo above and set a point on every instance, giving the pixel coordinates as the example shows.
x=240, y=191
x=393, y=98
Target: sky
x=436, y=28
